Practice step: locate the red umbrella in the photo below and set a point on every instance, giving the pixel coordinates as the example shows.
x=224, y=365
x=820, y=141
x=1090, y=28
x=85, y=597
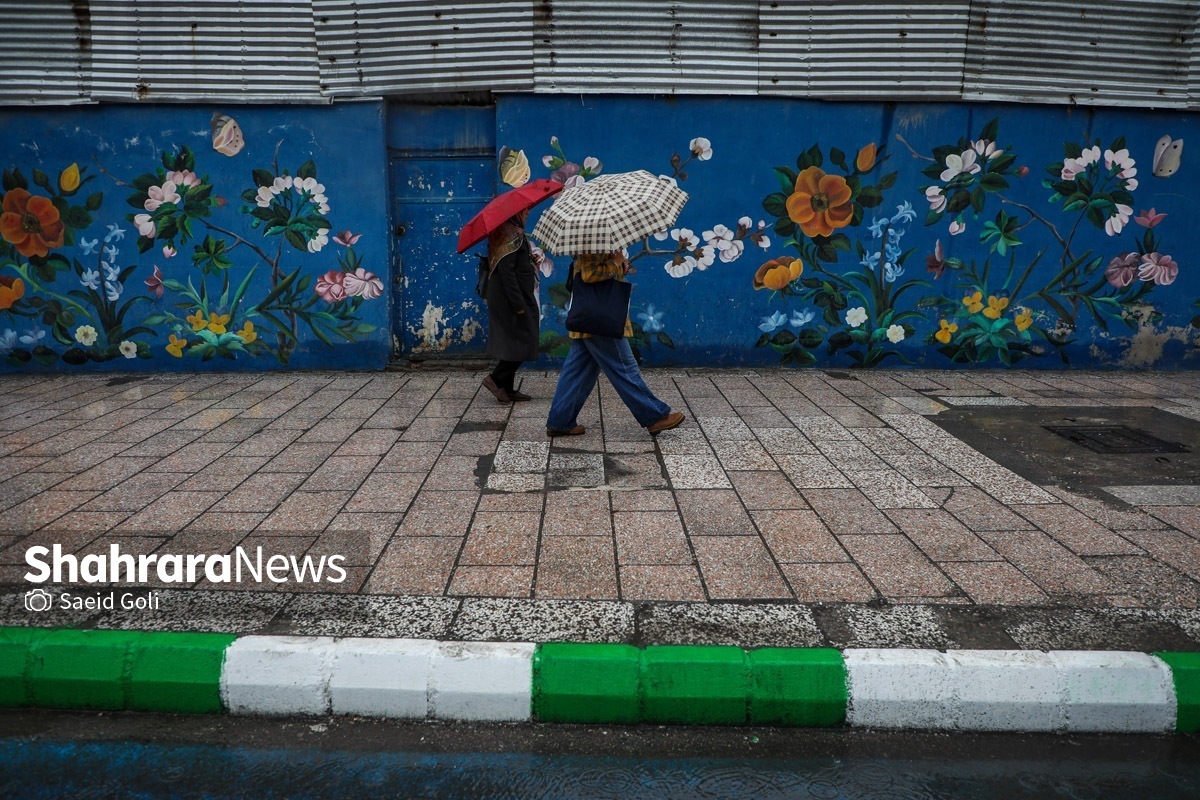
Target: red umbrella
x=504, y=207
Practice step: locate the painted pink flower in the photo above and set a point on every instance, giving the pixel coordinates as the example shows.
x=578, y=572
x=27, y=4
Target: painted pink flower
x=169, y=251
x=145, y=225
x=330, y=286
x=155, y=284
x=1122, y=269
x=361, y=283
x=346, y=238
x=935, y=264
x=161, y=194
x=183, y=177
x=1148, y=219
x=1159, y=268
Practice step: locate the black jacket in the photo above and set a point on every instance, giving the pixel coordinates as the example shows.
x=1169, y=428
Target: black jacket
x=512, y=336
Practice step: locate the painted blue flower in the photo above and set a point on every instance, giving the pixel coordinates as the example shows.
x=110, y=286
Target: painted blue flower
x=111, y=253
x=114, y=232
x=32, y=336
x=904, y=213
x=111, y=273
x=895, y=234
x=892, y=271
x=891, y=252
x=877, y=227
x=88, y=247
x=773, y=323
x=113, y=290
x=90, y=278
x=871, y=260
x=650, y=319
x=8, y=340
x=801, y=318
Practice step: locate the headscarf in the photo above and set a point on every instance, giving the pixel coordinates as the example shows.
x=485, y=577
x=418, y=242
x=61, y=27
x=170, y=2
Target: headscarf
x=506, y=239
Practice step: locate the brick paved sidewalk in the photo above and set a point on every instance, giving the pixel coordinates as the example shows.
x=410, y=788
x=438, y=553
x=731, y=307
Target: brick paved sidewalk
x=793, y=487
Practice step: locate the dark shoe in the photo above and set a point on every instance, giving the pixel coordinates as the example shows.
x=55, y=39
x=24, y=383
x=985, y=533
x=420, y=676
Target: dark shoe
x=578, y=430
x=671, y=420
x=518, y=397
x=492, y=387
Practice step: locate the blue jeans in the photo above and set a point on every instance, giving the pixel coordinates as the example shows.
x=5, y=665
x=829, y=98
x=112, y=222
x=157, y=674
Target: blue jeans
x=588, y=357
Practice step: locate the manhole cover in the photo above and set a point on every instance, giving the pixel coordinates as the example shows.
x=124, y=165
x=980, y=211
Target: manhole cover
x=1115, y=439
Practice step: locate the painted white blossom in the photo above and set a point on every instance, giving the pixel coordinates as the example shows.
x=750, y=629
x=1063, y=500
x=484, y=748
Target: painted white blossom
x=573, y=181
x=705, y=256
x=145, y=225
x=111, y=271
x=547, y=161
x=128, y=349
x=112, y=290
x=701, y=148
x=745, y=223
x=680, y=267
x=310, y=185
x=319, y=241
x=895, y=334
x=114, y=234
x=264, y=196
x=85, y=335
x=856, y=317
x=281, y=184
x=732, y=251
x=719, y=237
x=1117, y=222
x=591, y=163
x=8, y=341
x=32, y=336
x=685, y=237
x=169, y=251
x=662, y=236
x=957, y=227
x=986, y=149
x=160, y=195
x=87, y=247
x=960, y=165
x=937, y=200
x=801, y=318
x=183, y=177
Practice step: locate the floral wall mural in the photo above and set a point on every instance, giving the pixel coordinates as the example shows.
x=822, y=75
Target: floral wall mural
x=939, y=236
x=184, y=239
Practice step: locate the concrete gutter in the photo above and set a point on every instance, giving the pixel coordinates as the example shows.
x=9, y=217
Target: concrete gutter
x=967, y=690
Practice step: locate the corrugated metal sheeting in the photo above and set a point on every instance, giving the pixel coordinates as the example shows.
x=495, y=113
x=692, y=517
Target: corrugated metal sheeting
x=1111, y=52
x=685, y=47
x=44, y=53
x=377, y=47
x=1094, y=52
x=168, y=50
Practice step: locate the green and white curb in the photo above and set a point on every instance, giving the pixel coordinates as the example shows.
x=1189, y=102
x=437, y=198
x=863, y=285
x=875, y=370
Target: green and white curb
x=968, y=690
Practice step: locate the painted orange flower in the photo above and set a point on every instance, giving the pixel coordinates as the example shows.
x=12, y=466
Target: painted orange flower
x=31, y=223
x=778, y=273
x=947, y=331
x=866, y=157
x=820, y=203
x=175, y=346
x=11, y=290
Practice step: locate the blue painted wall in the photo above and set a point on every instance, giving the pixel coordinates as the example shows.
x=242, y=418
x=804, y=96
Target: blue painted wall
x=160, y=238
x=1032, y=269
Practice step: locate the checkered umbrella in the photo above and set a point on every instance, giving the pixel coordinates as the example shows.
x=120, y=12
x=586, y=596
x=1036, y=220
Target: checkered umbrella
x=609, y=212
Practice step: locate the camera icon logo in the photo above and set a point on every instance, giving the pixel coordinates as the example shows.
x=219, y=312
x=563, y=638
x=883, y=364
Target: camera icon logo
x=38, y=600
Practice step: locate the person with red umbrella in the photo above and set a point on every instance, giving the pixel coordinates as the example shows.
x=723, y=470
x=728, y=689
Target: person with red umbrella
x=514, y=318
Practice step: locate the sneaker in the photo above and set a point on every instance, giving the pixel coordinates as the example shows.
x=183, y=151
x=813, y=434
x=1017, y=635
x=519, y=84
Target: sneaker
x=578, y=430
x=671, y=420
x=492, y=387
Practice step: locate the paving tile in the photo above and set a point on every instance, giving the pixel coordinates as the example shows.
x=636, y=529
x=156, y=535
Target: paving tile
x=97, y=521
x=1113, y=517
x=828, y=583
x=439, y=514
x=739, y=568
x=577, y=567
x=373, y=442
x=492, y=581
x=473, y=443
x=896, y=567
x=995, y=583
x=192, y=458
x=260, y=492
x=301, y=457
x=1185, y=518
x=696, y=472
x=521, y=457
x=785, y=441
x=515, y=501
x=714, y=512
x=925, y=471
x=1171, y=547
x=647, y=500
x=889, y=489
x=501, y=539
x=664, y=583
x=748, y=455
x=847, y=511
x=415, y=565
x=171, y=512
x=767, y=490
x=576, y=469
x=1050, y=565
x=725, y=428
x=431, y=429
x=229, y=522
x=683, y=441
x=1078, y=532
x=265, y=443
x=108, y=473
x=410, y=457
x=979, y=512
x=812, y=472
x=634, y=471
x=798, y=536
x=1153, y=583
x=650, y=537
x=941, y=536
x=455, y=472
x=304, y=511
x=577, y=514
x=386, y=492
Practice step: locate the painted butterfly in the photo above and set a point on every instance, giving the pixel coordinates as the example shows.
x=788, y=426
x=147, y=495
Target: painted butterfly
x=226, y=135
x=1167, y=155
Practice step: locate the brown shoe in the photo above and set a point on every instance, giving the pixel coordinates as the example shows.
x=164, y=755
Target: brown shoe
x=578, y=430
x=495, y=389
x=519, y=397
x=671, y=420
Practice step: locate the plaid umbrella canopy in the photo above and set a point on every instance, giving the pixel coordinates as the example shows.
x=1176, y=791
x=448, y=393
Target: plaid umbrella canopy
x=609, y=212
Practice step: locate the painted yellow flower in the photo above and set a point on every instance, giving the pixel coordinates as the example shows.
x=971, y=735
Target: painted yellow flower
x=974, y=302
x=948, y=330
x=176, y=345
x=197, y=321
x=1024, y=319
x=247, y=332
x=217, y=322
x=866, y=158
x=778, y=273
x=68, y=180
x=996, y=306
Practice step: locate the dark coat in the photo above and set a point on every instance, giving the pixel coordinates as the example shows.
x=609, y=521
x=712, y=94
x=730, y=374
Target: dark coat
x=513, y=337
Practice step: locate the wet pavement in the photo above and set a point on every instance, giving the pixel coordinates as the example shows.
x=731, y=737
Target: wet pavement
x=50, y=755
x=858, y=507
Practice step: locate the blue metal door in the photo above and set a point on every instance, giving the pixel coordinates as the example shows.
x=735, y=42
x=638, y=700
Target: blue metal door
x=433, y=195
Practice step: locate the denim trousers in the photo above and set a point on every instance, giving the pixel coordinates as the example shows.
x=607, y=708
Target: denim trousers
x=586, y=360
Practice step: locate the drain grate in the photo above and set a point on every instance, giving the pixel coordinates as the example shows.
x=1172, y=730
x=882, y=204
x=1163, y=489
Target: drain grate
x=1115, y=439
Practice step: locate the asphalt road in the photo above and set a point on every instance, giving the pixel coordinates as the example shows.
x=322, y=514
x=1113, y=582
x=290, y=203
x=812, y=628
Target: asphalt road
x=89, y=756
